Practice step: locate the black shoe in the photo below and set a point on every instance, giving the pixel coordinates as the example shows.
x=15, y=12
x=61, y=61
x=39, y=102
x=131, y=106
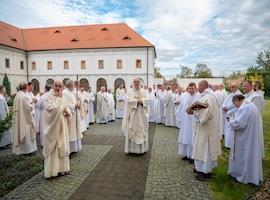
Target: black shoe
x=195, y=171
x=185, y=158
x=191, y=161
x=203, y=176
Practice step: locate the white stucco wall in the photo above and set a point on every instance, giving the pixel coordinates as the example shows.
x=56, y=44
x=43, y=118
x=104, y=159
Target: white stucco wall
x=92, y=73
x=15, y=73
x=110, y=72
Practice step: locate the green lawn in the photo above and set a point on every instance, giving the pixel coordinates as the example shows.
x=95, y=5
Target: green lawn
x=224, y=187
x=14, y=170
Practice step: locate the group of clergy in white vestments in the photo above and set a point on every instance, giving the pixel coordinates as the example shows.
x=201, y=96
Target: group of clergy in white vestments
x=204, y=114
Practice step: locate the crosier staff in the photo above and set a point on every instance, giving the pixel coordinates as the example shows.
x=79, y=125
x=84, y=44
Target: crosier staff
x=77, y=100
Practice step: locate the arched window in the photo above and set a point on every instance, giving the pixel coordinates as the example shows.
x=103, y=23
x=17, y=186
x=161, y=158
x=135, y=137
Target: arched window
x=85, y=83
x=118, y=82
x=50, y=81
x=65, y=80
x=36, y=86
x=101, y=82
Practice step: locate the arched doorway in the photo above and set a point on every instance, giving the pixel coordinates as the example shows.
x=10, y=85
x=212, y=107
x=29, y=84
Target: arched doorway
x=118, y=82
x=50, y=81
x=85, y=83
x=36, y=86
x=101, y=82
x=65, y=80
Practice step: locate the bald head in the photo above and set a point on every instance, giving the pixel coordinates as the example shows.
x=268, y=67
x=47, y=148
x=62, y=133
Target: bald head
x=57, y=86
x=23, y=86
x=202, y=86
x=137, y=83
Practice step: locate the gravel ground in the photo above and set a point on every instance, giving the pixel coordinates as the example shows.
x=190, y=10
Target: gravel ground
x=263, y=192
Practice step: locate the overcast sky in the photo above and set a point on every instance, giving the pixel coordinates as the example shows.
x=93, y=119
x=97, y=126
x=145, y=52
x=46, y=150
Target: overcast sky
x=224, y=34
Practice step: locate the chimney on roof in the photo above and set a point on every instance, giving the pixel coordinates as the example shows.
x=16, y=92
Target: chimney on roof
x=57, y=31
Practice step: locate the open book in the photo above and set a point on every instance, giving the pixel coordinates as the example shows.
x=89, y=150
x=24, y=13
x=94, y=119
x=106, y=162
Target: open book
x=196, y=106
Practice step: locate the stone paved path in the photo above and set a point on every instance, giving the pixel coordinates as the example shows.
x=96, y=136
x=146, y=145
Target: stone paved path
x=104, y=171
x=117, y=176
x=61, y=187
x=168, y=176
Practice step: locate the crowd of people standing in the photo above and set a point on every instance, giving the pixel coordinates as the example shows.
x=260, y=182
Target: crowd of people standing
x=204, y=114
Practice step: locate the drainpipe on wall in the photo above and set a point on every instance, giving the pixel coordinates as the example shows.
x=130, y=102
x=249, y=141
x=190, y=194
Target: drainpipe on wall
x=147, y=70
x=27, y=69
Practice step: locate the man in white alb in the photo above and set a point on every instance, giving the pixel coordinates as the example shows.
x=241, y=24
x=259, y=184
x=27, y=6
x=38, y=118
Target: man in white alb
x=135, y=120
x=207, y=145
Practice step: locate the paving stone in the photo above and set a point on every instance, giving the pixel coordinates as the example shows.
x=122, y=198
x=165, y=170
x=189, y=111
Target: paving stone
x=117, y=176
x=103, y=171
x=168, y=176
x=61, y=187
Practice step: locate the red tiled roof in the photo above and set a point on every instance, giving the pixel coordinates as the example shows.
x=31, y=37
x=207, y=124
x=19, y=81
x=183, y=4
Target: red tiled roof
x=71, y=37
x=11, y=36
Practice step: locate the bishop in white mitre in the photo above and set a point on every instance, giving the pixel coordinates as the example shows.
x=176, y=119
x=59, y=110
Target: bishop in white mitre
x=102, y=106
x=169, y=112
x=207, y=146
x=187, y=123
x=56, y=138
x=228, y=110
x=120, y=101
x=135, y=120
x=152, y=102
x=245, y=162
x=91, y=114
x=23, y=128
x=111, y=105
x=4, y=112
x=74, y=129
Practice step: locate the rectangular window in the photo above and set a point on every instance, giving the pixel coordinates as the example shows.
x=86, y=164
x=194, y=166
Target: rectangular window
x=21, y=65
x=83, y=64
x=66, y=64
x=119, y=64
x=33, y=65
x=7, y=64
x=100, y=64
x=138, y=64
x=49, y=65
